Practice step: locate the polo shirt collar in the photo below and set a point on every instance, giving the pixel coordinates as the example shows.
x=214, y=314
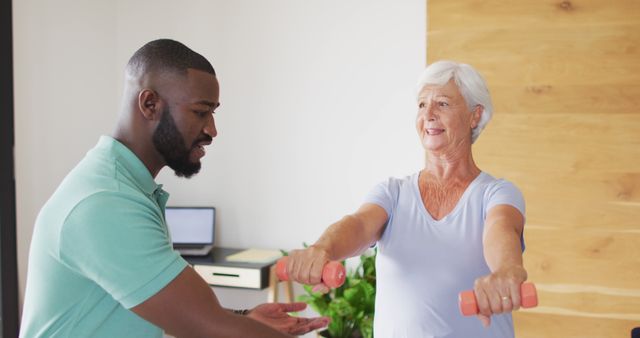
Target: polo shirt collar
x=133, y=165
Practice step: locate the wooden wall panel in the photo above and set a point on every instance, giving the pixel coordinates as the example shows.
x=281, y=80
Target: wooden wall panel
x=579, y=98
x=561, y=326
x=468, y=14
x=565, y=80
x=571, y=55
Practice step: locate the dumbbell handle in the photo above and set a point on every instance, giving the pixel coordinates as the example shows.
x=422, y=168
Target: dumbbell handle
x=333, y=273
x=469, y=305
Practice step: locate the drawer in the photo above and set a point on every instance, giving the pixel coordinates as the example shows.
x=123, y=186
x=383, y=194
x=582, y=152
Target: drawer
x=230, y=276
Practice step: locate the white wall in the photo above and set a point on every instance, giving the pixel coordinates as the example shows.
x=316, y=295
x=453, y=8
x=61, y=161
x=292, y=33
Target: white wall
x=65, y=95
x=317, y=105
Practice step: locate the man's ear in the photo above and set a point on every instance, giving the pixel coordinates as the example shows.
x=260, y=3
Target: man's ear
x=476, y=114
x=149, y=104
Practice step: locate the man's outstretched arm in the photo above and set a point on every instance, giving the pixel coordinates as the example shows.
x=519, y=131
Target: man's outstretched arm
x=187, y=307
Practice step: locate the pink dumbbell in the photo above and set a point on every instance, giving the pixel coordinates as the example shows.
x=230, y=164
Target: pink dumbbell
x=469, y=305
x=333, y=273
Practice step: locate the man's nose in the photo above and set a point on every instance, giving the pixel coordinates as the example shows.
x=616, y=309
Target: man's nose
x=210, y=128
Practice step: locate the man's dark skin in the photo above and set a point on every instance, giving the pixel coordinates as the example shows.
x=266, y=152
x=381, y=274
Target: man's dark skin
x=187, y=307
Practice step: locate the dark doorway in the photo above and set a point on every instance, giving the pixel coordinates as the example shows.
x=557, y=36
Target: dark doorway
x=9, y=273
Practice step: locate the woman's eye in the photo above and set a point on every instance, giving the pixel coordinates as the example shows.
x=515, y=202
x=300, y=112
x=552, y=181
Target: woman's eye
x=443, y=104
x=421, y=105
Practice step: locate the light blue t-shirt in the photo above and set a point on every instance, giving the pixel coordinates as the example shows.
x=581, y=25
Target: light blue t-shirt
x=100, y=246
x=422, y=264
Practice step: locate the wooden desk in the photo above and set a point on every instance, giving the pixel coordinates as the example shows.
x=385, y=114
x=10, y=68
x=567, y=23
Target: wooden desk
x=216, y=270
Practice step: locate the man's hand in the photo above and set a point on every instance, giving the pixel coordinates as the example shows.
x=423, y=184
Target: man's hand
x=276, y=315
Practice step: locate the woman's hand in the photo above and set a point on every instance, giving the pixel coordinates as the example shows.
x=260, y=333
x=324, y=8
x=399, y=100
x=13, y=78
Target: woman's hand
x=305, y=266
x=499, y=292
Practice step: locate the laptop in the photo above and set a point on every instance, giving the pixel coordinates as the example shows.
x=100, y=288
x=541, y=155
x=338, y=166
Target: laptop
x=192, y=229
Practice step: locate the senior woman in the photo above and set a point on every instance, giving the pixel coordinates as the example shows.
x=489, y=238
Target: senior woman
x=447, y=228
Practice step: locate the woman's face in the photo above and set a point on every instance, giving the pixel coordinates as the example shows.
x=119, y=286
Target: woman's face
x=444, y=122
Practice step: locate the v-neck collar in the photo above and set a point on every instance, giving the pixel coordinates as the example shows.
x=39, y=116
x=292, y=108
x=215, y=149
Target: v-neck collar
x=456, y=208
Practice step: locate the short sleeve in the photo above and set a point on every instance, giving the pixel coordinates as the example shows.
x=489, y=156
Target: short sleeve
x=122, y=245
x=385, y=194
x=505, y=192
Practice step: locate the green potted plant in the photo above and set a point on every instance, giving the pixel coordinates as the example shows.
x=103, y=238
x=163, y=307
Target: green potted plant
x=350, y=306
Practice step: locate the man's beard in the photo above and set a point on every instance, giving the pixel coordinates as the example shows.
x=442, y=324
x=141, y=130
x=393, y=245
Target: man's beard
x=170, y=143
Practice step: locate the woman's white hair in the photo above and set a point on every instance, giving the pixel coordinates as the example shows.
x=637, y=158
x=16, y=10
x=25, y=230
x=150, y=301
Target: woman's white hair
x=470, y=83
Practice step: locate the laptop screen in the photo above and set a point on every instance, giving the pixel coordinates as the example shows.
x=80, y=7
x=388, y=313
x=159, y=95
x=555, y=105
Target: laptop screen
x=191, y=225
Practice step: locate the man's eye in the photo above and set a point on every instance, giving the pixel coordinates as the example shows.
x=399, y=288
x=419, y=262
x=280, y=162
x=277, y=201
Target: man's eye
x=421, y=105
x=443, y=104
x=201, y=113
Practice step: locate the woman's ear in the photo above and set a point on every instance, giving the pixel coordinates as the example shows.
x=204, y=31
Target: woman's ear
x=149, y=104
x=476, y=114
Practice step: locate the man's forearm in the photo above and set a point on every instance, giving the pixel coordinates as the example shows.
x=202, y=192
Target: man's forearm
x=194, y=311
x=232, y=325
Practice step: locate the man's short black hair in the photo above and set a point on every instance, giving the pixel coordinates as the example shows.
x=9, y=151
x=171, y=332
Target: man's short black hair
x=167, y=55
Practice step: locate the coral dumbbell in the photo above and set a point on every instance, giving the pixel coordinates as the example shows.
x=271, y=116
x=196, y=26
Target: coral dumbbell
x=469, y=305
x=333, y=273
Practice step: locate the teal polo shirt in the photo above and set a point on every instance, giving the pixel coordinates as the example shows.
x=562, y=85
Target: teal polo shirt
x=100, y=246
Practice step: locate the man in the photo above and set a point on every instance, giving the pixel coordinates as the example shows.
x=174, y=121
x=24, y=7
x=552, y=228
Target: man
x=101, y=262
